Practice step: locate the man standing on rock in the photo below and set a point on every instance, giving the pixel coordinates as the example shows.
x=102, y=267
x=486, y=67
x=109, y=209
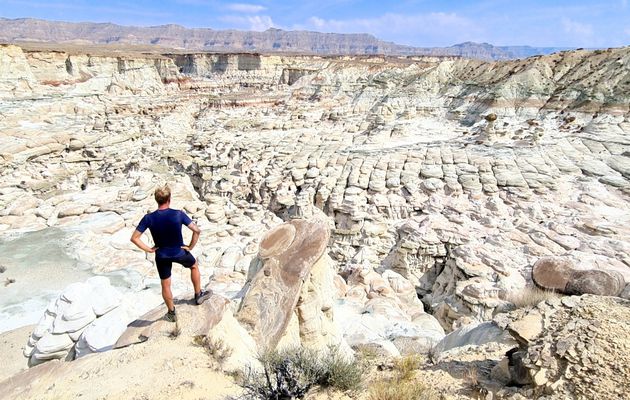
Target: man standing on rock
x=165, y=225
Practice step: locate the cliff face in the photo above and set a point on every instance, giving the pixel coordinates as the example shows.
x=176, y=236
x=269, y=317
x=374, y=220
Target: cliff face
x=271, y=40
x=580, y=80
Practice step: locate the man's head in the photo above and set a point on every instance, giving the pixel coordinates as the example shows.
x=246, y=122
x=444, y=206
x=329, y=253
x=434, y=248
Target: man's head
x=163, y=195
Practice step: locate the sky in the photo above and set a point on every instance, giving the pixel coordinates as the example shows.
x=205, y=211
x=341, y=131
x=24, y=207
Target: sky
x=562, y=23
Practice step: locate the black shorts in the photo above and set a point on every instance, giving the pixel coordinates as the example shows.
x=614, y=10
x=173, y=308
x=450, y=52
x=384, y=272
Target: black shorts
x=165, y=264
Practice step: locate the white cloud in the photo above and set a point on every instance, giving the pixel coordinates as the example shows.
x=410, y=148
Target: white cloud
x=260, y=22
x=250, y=22
x=441, y=28
x=246, y=8
x=577, y=28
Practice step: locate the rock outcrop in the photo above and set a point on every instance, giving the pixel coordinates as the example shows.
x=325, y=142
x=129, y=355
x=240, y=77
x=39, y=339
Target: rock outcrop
x=192, y=321
x=86, y=318
x=288, y=284
x=572, y=348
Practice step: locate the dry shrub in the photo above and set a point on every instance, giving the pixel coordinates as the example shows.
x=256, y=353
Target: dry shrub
x=177, y=330
x=366, y=353
x=290, y=374
x=471, y=379
x=400, y=390
x=216, y=348
x=406, y=367
x=341, y=373
x=530, y=296
x=402, y=386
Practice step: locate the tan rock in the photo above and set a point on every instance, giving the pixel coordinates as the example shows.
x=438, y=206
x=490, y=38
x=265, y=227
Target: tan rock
x=289, y=252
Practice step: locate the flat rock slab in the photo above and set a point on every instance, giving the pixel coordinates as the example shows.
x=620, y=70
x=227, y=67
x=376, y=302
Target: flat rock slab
x=192, y=320
x=526, y=329
x=288, y=252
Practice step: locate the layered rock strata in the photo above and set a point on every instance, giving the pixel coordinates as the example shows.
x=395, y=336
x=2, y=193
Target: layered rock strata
x=421, y=188
x=87, y=318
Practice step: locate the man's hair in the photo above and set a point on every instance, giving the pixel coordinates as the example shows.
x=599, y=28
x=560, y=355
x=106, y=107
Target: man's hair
x=162, y=194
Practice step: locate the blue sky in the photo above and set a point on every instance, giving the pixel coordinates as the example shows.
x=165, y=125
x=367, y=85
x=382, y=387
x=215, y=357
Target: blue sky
x=576, y=23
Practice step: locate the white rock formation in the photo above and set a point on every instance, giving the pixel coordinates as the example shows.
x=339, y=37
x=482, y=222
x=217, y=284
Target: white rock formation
x=422, y=193
x=87, y=317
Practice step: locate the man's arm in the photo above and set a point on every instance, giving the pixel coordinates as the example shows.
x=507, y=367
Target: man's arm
x=195, y=236
x=135, y=239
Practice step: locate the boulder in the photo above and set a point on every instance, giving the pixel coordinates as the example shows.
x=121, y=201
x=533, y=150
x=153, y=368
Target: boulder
x=73, y=317
x=102, y=334
x=51, y=343
x=600, y=282
x=76, y=316
x=475, y=334
x=104, y=297
x=552, y=273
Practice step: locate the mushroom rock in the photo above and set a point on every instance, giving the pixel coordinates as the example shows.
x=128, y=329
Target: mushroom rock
x=288, y=254
x=315, y=314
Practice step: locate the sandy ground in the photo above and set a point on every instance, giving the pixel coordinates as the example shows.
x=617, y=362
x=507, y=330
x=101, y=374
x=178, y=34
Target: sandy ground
x=176, y=368
x=11, y=346
x=162, y=368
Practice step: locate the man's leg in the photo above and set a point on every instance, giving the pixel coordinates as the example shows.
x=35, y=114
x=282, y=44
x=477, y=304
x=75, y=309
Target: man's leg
x=195, y=277
x=189, y=261
x=167, y=295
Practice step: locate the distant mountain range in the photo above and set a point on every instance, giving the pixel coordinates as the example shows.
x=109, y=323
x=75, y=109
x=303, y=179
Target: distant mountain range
x=271, y=40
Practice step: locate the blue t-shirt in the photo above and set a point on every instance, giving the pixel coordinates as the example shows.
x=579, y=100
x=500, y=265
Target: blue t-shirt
x=166, y=229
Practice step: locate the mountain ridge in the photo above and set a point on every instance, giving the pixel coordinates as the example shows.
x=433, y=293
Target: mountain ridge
x=271, y=40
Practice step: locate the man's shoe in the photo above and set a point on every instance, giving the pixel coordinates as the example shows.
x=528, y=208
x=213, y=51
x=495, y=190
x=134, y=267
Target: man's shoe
x=171, y=316
x=202, y=296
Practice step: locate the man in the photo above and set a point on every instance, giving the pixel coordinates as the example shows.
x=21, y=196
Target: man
x=165, y=225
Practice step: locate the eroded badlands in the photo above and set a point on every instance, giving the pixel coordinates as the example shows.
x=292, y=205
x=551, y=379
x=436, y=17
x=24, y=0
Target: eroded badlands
x=442, y=181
